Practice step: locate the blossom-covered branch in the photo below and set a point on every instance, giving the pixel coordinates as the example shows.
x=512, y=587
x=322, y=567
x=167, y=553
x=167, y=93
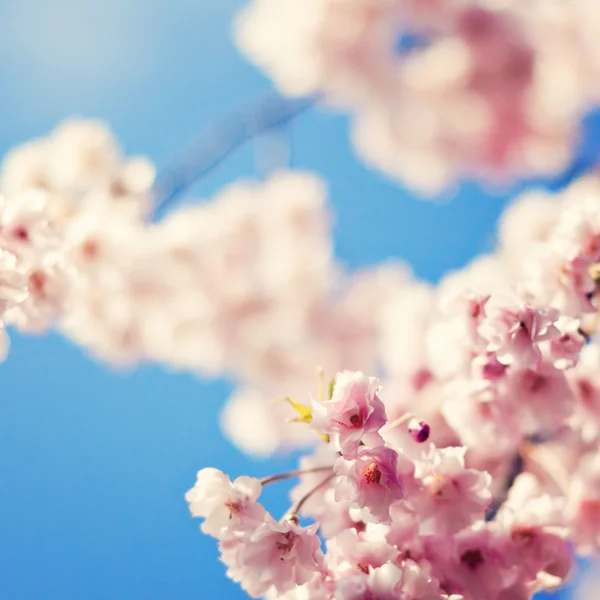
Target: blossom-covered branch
x=401, y=518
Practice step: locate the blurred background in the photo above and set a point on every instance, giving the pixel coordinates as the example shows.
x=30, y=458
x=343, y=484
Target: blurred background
x=94, y=463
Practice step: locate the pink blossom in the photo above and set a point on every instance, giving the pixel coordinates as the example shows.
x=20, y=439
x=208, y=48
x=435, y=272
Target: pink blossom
x=489, y=367
x=13, y=282
x=354, y=414
x=350, y=551
x=25, y=226
x=370, y=482
x=543, y=553
x=454, y=338
x=535, y=521
x=565, y=348
x=572, y=286
x=585, y=383
x=529, y=504
x=457, y=496
x=409, y=581
x=318, y=588
x=373, y=585
x=543, y=396
x=515, y=334
x=527, y=221
x=278, y=555
x=418, y=583
x=478, y=562
x=383, y=582
x=227, y=507
x=486, y=420
x=582, y=508
x=49, y=281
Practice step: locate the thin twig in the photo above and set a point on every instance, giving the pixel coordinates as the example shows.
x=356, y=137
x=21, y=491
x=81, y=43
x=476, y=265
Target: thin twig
x=291, y=474
x=214, y=145
x=292, y=514
x=516, y=468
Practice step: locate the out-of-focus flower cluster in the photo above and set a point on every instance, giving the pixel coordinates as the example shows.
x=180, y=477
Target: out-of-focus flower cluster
x=54, y=192
x=439, y=90
x=401, y=519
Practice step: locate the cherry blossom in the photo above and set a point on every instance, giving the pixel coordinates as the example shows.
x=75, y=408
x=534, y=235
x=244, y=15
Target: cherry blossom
x=353, y=415
x=272, y=555
x=514, y=335
x=370, y=482
x=405, y=521
x=227, y=507
x=457, y=495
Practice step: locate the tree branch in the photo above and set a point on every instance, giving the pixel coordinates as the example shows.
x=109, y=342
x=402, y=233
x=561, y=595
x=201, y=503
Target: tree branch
x=214, y=145
x=291, y=474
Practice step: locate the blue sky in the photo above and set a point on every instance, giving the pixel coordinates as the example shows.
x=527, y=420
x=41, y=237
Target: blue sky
x=94, y=463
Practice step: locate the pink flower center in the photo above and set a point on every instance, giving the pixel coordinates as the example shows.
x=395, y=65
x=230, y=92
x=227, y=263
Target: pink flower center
x=472, y=558
x=360, y=526
x=421, y=378
x=592, y=245
x=523, y=535
x=589, y=513
x=356, y=421
x=586, y=391
x=21, y=233
x=285, y=543
x=37, y=282
x=534, y=382
x=234, y=508
x=90, y=249
x=475, y=310
x=372, y=473
x=118, y=189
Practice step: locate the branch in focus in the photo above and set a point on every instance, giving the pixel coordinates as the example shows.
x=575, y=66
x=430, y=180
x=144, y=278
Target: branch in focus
x=291, y=474
x=292, y=514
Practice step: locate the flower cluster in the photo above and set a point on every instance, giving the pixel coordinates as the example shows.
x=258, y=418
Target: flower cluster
x=400, y=518
x=80, y=168
x=35, y=277
x=212, y=288
x=438, y=89
x=492, y=489
x=53, y=190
